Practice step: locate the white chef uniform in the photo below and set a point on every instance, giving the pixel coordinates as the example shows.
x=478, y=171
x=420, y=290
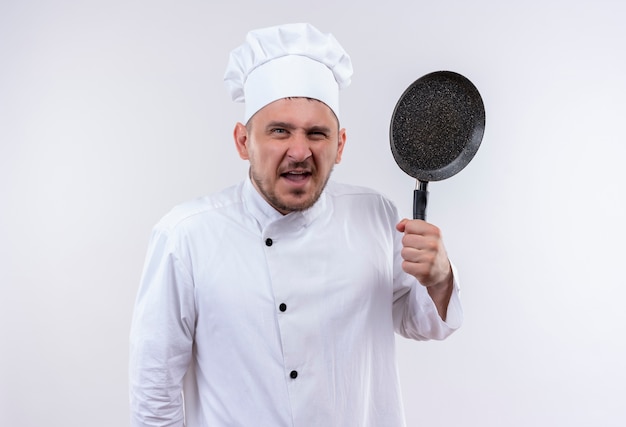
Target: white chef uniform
x=284, y=320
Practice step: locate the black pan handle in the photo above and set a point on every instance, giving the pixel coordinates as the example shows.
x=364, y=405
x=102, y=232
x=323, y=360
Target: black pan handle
x=420, y=199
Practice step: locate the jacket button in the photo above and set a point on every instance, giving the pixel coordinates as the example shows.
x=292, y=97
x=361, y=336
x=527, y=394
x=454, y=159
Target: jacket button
x=293, y=374
x=268, y=242
x=282, y=306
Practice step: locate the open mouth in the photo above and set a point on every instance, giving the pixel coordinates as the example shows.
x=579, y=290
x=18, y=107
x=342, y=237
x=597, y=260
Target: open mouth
x=296, y=176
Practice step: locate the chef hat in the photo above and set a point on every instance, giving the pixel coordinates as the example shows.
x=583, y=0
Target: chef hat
x=287, y=61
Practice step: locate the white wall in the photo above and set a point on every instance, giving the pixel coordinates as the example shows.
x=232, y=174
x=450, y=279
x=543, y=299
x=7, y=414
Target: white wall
x=113, y=111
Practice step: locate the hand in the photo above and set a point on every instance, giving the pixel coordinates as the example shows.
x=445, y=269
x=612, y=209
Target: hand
x=424, y=254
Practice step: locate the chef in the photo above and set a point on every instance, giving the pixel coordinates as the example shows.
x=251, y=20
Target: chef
x=275, y=301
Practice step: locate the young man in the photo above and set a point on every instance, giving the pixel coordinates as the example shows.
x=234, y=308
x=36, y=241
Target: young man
x=274, y=302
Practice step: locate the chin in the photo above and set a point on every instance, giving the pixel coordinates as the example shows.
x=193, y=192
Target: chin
x=297, y=207
x=300, y=204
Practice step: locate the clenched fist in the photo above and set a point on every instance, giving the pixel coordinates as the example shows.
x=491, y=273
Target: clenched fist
x=423, y=252
x=426, y=259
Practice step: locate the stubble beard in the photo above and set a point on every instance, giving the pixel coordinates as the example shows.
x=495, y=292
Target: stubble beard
x=282, y=206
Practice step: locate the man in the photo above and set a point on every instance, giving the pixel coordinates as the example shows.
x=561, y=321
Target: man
x=274, y=302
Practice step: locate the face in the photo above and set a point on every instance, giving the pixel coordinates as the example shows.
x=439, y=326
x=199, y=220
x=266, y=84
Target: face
x=292, y=145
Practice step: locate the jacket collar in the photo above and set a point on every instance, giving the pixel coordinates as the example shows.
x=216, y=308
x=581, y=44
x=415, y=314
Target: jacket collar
x=266, y=214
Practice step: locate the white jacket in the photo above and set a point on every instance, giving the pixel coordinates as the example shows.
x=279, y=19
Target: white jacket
x=276, y=320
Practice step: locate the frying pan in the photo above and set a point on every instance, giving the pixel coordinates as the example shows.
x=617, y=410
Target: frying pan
x=436, y=129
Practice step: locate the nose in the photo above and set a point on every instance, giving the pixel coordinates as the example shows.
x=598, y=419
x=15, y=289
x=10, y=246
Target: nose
x=299, y=149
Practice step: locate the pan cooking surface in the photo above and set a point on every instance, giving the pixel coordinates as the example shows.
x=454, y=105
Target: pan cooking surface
x=437, y=126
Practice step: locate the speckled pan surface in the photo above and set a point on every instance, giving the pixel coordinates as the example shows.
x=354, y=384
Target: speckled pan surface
x=437, y=126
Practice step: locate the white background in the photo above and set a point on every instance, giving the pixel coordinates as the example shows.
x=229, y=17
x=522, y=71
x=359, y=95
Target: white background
x=112, y=112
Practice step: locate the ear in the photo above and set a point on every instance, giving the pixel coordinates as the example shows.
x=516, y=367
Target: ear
x=340, y=145
x=240, y=134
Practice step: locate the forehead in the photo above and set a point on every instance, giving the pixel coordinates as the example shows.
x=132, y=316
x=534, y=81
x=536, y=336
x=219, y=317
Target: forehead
x=296, y=110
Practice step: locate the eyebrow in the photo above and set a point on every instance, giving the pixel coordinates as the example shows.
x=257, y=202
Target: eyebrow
x=277, y=124
x=290, y=126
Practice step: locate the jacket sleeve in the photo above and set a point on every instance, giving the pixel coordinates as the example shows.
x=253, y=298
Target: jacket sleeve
x=161, y=336
x=415, y=314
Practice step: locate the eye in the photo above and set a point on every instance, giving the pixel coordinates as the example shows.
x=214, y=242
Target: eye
x=318, y=134
x=279, y=131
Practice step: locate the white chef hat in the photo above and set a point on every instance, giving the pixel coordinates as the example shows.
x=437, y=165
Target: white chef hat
x=287, y=61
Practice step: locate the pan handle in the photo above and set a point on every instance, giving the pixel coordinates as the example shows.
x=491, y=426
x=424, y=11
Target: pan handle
x=420, y=199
